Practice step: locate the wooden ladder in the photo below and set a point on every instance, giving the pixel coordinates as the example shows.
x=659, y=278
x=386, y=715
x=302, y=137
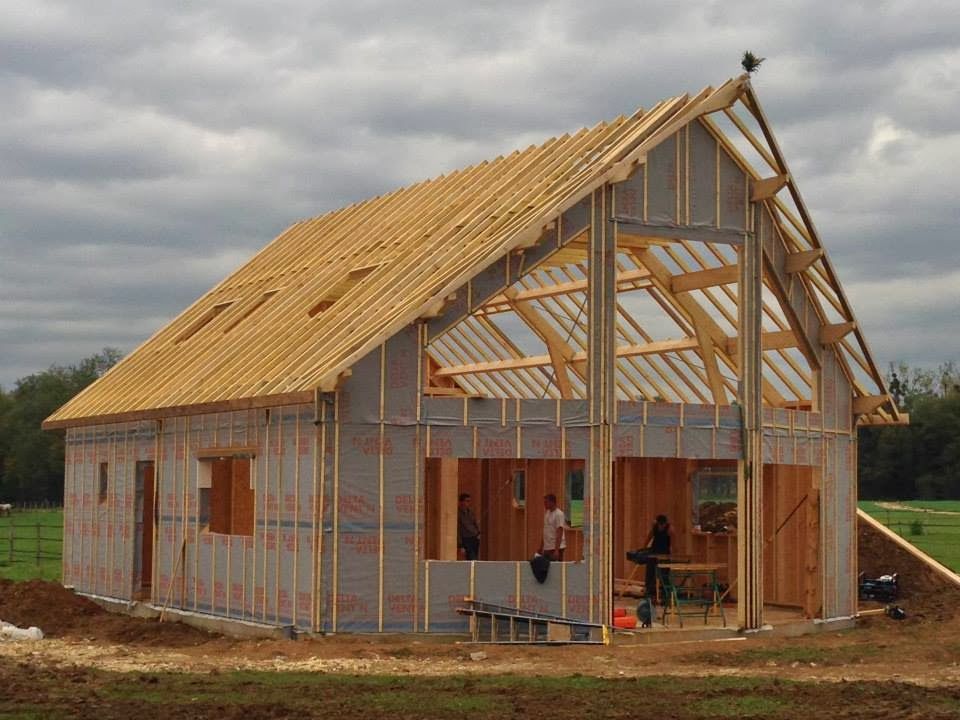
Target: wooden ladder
x=506, y=625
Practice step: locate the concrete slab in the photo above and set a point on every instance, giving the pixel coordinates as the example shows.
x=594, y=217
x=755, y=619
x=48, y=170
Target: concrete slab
x=229, y=627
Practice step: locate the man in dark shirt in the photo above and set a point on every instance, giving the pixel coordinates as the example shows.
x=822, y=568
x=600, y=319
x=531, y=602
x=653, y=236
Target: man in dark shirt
x=657, y=544
x=468, y=531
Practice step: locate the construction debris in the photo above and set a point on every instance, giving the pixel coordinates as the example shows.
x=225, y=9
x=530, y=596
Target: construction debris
x=12, y=632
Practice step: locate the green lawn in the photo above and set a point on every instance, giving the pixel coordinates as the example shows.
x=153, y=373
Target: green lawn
x=31, y=544
x=937, y=535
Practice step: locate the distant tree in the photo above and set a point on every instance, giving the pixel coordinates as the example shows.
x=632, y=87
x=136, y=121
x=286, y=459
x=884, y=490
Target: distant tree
x=922, y=459
x=31, y=459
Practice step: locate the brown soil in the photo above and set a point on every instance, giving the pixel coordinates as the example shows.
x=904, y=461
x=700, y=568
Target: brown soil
x=897, y=669
x=924, y=593
x=60, y=613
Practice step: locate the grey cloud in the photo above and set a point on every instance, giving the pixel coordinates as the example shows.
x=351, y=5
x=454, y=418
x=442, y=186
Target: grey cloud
x=146, y=151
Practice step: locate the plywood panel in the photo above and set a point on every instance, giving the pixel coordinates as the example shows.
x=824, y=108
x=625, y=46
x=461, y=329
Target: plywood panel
x=647, y=487
x=786, y=529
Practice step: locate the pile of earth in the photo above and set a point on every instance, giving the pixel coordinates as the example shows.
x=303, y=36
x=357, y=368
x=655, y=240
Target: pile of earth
x=924, y=593
x=58, y=612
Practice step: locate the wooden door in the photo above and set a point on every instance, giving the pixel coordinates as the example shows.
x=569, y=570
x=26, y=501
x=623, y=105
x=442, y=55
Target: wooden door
x=145, y=516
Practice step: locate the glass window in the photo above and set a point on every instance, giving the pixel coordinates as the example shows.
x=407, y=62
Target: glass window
x=715, y=501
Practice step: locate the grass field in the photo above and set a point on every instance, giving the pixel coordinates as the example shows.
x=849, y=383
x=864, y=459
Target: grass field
x=936, y=534
x=31, y=544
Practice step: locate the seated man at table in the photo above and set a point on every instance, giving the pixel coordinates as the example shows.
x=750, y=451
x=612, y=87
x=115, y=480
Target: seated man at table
x=657, y=543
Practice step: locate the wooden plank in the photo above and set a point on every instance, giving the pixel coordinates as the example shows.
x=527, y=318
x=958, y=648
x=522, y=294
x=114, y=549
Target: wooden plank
x=835, y=332
x=767, y=187
x=868, y=404
x=800, y=261
x=772, y=340
x=559, y=349
x=703, y=278
x=709, y=355
x=652, y=348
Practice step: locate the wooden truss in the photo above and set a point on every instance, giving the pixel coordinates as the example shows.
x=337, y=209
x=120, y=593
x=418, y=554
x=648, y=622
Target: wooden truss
x=531, y=340
x=303, y=311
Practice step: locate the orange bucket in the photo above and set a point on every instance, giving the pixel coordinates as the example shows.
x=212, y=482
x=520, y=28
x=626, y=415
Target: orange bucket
x=625, y=621
x=619, y=612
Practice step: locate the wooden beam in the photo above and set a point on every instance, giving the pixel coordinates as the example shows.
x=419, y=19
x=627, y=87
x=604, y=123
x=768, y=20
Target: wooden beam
x=637, y=241
x=704, y=278
x=835, y=332
x=653, y=348
x=798, y=308
x=773, y=340
x=768, y=187
x=800, y=261
x=866, y=404
x=902, y=418
x=335, y=382
x=626, y=280
x=650, y=233
x=560, y=351
x=706, y=102
x=709, y=354
x=292, y=398
x=697, y=316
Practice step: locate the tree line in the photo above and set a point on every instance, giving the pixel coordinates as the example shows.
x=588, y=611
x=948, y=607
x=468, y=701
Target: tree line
x=917, y=461
x=31, y=459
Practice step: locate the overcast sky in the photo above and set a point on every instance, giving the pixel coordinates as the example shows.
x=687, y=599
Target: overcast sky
x=147, y=150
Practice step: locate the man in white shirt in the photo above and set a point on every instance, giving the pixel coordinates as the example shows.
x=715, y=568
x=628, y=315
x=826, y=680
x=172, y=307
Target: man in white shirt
x=554, y=540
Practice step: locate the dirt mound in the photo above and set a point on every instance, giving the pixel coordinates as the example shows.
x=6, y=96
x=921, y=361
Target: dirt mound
x=61, y=613
x=924, y=593
x=49, y=606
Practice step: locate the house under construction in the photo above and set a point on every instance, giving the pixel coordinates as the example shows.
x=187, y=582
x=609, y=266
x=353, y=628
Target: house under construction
x=638, y=317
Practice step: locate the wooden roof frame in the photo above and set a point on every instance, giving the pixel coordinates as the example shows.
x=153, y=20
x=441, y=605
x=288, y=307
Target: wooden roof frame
x=299, y=314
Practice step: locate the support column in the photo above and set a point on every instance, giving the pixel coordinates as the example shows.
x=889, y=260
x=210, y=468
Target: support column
x=750, y=467
x=601, y=352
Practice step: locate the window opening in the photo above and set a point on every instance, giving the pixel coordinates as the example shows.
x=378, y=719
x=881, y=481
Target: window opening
x=574, y=495
x=252, y=309
x=715, y=501
x=519, y=488
x=203, y=321
x=353, y=278
x=102, y=483
x=225, y=495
